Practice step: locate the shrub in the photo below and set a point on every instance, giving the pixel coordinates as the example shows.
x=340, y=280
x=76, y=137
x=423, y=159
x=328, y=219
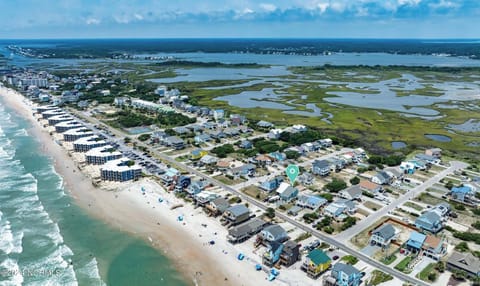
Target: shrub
x=355, y=180
x=336, y=185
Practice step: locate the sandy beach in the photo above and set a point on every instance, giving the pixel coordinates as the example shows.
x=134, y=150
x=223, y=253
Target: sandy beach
x=186, y=242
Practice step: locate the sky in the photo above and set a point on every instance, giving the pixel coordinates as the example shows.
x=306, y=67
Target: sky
x=240, y=18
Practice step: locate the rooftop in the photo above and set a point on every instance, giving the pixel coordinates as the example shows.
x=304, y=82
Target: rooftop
x=120, y=165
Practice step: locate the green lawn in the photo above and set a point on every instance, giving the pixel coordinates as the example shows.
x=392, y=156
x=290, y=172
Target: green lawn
x=388, y=260
x=402, y=265
x=423, y=275
x=379, y=277
x=350, y=259
x=413, y=206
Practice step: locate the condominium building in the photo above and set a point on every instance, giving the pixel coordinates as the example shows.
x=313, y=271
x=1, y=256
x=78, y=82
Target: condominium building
x=43, y=108
x=120, y=170
x=67, y=125
x=52, y=112
x=101, y=155
x=59, y=118
x=85, y=144
x=77, y=133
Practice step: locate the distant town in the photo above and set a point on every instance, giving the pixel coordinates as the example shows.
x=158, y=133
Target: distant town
x=350, y=217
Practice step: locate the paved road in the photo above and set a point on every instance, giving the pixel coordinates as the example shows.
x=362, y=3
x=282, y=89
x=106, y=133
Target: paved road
x=364, y=223
x=326, y=238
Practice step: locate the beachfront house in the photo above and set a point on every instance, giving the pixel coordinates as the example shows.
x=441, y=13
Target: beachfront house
x=273, y=233
x=272, y=255
x=345, y=275
x=290, y=253
x=170, y=176
x=316, y=263
x=217, y=206
x=351, y=193
x=244, y=231
x=383, y=235
x=204, y=197
x=466, y=262
x=196, y=187
x=310, y=202
x=235, y=215
x=321, y=167
x=286, y=192
x=429, y=221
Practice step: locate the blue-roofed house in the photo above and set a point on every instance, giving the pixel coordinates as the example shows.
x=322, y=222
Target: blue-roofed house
x=279, y=156
x=246, y=144
x=169, y=176
x=286, y=192
x=415, y=242
x=272, y=255
x=196, y=187
x=202, y=138
x=218, y=114
x=265, y=124
x=428, y=159
x=311, y=202
x=463, y=194
x=321, y=167
x=271, y=184
x=346, y=275
x=430, y=221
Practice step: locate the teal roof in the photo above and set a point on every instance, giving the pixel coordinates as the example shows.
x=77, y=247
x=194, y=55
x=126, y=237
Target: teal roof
x=318, y=257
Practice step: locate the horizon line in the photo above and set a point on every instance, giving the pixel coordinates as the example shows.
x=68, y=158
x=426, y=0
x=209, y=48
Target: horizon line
x=241, y=38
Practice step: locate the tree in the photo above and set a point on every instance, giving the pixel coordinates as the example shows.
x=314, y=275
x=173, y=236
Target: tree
x=270, y=213
x=328, y=229
x=127, y=140
x=336, y=185
x=292, y=154
x=432, y=276
x=462, y=247
x=449, y=185
x=476, y=224
x=355, y=180
x=144, y=137
x=440, y=266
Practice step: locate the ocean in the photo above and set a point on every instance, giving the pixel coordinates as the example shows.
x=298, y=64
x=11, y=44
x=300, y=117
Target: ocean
x=45, y=239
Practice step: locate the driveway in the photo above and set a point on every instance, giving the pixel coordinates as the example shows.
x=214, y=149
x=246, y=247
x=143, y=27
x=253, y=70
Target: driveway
x=370, y=250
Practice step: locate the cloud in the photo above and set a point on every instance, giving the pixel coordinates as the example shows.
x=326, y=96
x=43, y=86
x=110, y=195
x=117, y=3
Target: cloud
x=268, y=7
x=92, y=21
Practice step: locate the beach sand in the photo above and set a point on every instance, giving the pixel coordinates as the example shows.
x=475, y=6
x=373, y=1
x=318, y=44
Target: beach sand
x=185, y=242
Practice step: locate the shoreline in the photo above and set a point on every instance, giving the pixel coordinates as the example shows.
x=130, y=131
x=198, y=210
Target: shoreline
x=184, y=243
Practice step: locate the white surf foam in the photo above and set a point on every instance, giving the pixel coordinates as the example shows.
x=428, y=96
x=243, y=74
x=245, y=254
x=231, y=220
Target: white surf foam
x=13, y=275
x=10, y=242
x=91, y=271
